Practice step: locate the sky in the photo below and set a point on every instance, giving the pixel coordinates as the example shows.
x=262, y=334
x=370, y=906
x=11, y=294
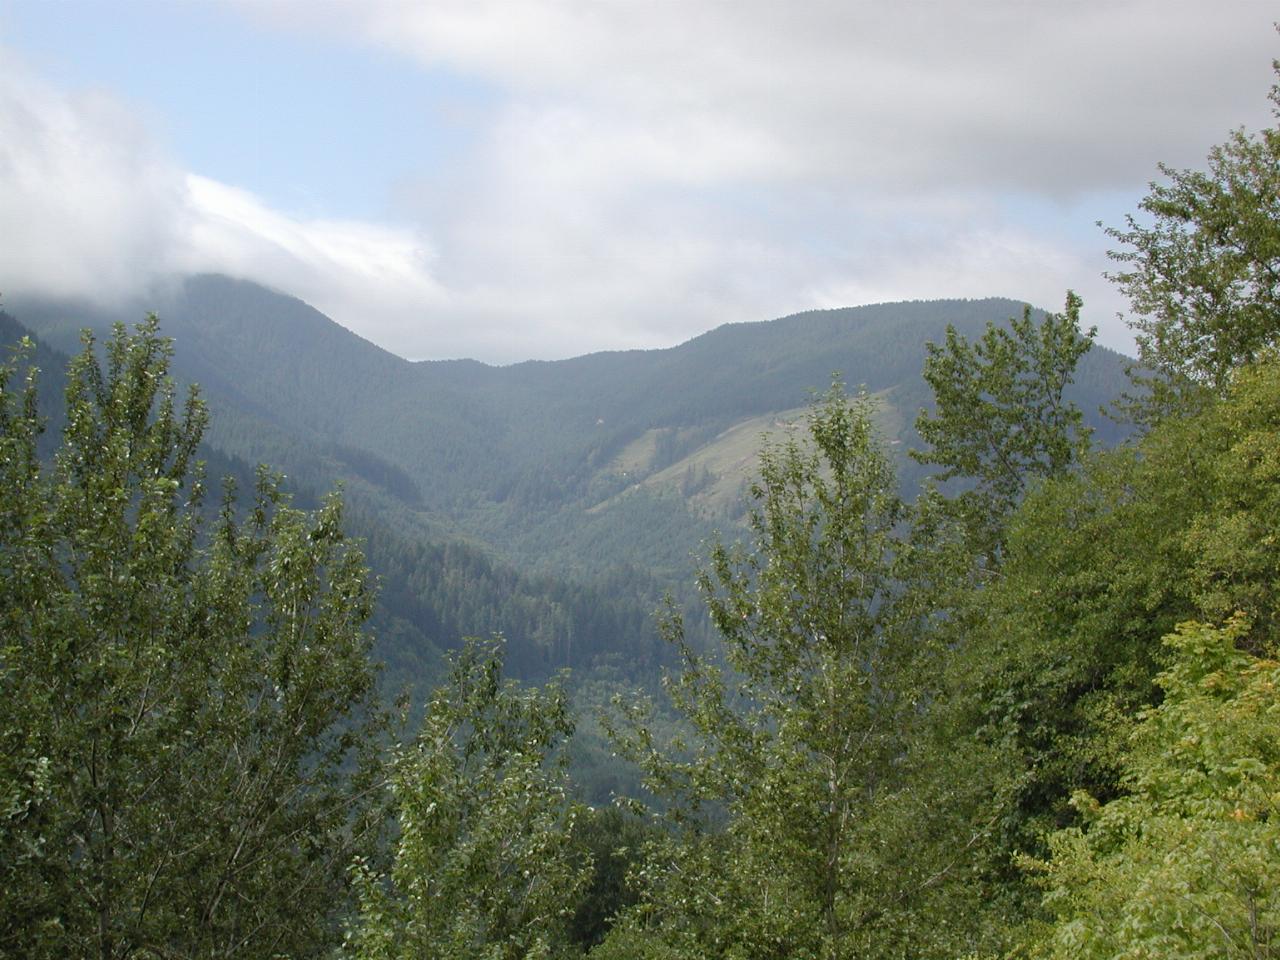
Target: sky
x=516, y=179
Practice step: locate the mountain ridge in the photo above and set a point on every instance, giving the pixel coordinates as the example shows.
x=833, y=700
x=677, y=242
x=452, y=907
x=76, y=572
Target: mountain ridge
x=523, y=460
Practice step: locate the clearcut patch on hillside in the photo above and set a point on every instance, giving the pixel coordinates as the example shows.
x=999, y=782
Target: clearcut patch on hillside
x=714, y=478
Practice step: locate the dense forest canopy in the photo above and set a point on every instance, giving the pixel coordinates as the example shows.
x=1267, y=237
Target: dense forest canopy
x=1027, y=709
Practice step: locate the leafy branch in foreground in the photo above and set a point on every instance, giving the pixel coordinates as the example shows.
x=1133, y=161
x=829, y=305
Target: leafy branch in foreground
x=1186, y=864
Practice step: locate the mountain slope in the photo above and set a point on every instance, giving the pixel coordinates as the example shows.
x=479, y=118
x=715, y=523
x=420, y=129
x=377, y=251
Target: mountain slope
x=570, y=466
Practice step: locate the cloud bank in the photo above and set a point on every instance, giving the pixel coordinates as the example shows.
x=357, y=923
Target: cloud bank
x=652, y=170
x=94, y=210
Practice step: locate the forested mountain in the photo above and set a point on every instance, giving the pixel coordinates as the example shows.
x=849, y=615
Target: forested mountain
x=563, y=466
x=553, y=502
x=556, y=503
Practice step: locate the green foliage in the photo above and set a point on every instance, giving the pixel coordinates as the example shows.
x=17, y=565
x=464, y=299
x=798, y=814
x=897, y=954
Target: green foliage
x=1065, y=639
x=1100, y=565
x=484, y=865
x=801, y=731
x=1187, y=864
x=1000, y=419
x=614, y=841
x=1234, y=542
x=1200, y=266
x=182, y=716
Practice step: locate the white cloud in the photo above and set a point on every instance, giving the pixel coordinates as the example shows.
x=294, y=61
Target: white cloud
x=657, y=168
x=86, y=201
x=1055, y=97
x=346, y=269
x=94, y=210
x=650, y=170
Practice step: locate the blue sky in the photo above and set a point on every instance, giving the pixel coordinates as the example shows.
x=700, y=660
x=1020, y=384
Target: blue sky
x=540, y=178
x=315, y=124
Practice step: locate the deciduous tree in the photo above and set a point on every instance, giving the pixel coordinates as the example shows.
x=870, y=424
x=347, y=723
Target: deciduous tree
x=182, y=709
x=485, y=866
x=1000, y=419
x=1187, y=864
x=1200, y=264
x=800, y=722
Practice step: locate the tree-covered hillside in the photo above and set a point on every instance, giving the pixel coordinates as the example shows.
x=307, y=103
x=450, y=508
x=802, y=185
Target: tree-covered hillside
x=525, y=458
